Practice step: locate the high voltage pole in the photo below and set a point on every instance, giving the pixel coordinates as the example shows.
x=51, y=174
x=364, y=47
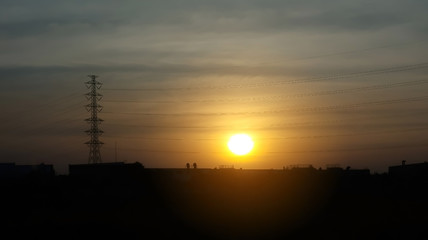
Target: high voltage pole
x=94, y=108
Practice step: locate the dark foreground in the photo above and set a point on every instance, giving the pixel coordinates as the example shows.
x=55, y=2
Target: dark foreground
x=215, y=204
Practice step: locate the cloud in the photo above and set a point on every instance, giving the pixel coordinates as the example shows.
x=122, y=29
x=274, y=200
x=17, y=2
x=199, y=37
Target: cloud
x=30, y=18
x=189, y=32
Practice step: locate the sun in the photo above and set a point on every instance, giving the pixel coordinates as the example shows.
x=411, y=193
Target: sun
x=240, y=144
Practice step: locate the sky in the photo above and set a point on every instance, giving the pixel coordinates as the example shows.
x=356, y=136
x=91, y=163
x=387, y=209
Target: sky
x=321, y=83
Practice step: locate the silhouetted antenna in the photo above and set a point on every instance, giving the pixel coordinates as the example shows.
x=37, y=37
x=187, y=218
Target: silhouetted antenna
x=115, y=151
x=93, y=107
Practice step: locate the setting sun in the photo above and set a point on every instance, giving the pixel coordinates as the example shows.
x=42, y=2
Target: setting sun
x=240, y=144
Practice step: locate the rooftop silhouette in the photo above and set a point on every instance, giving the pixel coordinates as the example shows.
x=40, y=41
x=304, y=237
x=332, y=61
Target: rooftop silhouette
x=129, y=201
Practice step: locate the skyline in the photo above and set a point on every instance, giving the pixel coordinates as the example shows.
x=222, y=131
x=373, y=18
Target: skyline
x=318, y=83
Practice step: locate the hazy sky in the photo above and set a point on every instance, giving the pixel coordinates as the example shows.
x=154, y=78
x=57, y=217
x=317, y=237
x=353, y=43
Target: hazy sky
x=313, y=82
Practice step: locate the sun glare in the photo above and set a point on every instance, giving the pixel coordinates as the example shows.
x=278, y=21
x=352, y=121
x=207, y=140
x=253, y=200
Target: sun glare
x=240, y=144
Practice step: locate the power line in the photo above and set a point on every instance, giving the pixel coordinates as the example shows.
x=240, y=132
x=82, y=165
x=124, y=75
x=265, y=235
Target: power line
x=358, y=50
x=29, y=125
x=304, y=109
x=157, y=151
x=421, y=145
x=286, y=97
x=371, y=148
x=419, y=129
x=295, y=81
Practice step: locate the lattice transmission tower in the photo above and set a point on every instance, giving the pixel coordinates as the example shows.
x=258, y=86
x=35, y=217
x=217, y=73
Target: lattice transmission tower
x=94, y=108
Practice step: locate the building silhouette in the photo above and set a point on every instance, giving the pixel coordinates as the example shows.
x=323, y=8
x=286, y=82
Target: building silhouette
x=409, y=170
x=11, y=170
